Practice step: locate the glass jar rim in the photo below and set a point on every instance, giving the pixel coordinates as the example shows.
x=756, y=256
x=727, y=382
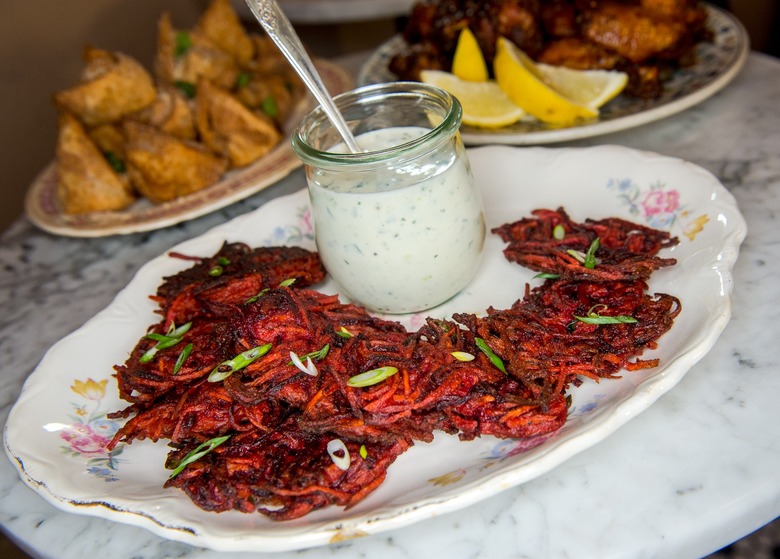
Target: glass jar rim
x=443, y=131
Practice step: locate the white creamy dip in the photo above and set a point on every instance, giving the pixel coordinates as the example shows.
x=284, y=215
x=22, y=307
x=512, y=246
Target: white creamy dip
x=399, y=240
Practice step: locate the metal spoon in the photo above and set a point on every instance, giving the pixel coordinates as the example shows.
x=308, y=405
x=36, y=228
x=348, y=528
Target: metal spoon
x=280, y=30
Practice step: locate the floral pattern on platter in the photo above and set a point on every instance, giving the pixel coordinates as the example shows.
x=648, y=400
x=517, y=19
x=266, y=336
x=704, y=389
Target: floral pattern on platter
x=88, y=433
x=291, y=234
x=658, y=205
x=500, y=451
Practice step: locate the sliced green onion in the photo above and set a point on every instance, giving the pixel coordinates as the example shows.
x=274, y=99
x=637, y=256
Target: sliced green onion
x=372, y=377
x=344, y=333
x=588, y=259
x=164, y=341
x=256, y=297
x=287, y=283
x=227, y=368
x=363, y=452
x=546, y=275
x=320, y=353
x=495, y=359
x=222, y=261
x=339, y=453
x=559, y=232
x=462, y=356
x=174, y=332
x=182, y=358
x=309, y=368
x=593, y=317
x=578, y=254
x=216, y=271
x=590, y=256
x=598, y=319
x=198, y=452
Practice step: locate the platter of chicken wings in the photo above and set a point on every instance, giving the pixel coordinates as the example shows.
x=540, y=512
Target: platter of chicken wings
x=676, y=55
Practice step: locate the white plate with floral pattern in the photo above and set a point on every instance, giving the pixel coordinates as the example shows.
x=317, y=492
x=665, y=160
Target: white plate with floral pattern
x=57, y=430
x=717, y=63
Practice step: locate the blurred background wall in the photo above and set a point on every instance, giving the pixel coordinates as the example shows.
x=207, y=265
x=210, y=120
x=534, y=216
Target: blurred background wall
x=41, y=43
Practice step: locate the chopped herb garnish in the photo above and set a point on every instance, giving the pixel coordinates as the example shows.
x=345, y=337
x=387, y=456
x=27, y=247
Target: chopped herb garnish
x=344, y=333
x=590, y=256
x=546, y=275
x=183, y=43
x=495, y=359
x=309, y=368
x=243, y=79
x=363, y=452
x=588, y=259
x=284, y=283
x=164, y=341
x=599, y=319
x=187, y=88
x=559, y=232
x=222, y=261
x=319, y=354
x=462, y=356
x=593, y=317
x=198, y=452
x=216, y=271
x=372, y=377
x=116, y=163
x=269, y=106
x=578, y=254
x=256, y=297
x=182, y=358
x=227, y=368
x=339, y=453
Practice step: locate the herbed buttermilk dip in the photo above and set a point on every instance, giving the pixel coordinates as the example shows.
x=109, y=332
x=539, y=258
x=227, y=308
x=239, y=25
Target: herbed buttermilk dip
x=399, y=240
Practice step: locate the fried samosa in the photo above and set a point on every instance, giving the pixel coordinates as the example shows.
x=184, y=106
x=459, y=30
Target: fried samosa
x=110, y=139
x=112, y=85
x=229, y=128
x=86, y=182
x=187, y=56
x=171, y=112
x=163, y=167
x=221, y=25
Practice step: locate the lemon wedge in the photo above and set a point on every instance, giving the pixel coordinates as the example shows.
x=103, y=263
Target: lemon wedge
x=523, y=82
x=484, y=103
x=589, y=88
x=469, y=63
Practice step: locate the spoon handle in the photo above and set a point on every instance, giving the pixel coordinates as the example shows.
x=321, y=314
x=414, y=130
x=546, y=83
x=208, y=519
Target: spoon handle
x=281, y=32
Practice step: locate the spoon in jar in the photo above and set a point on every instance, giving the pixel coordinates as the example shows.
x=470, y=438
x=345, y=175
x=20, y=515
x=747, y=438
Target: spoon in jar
x=281, y=32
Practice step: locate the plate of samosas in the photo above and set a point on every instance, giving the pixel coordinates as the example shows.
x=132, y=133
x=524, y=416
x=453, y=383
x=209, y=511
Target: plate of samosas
x=141, y=149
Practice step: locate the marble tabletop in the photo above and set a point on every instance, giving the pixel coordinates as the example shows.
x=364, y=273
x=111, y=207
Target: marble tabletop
x=699, y=469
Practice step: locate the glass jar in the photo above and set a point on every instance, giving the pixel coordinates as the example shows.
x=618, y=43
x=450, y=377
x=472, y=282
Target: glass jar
x=399, y=226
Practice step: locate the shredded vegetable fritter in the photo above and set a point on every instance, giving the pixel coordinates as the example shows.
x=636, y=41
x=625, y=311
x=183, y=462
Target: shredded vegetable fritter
x=282, y=400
